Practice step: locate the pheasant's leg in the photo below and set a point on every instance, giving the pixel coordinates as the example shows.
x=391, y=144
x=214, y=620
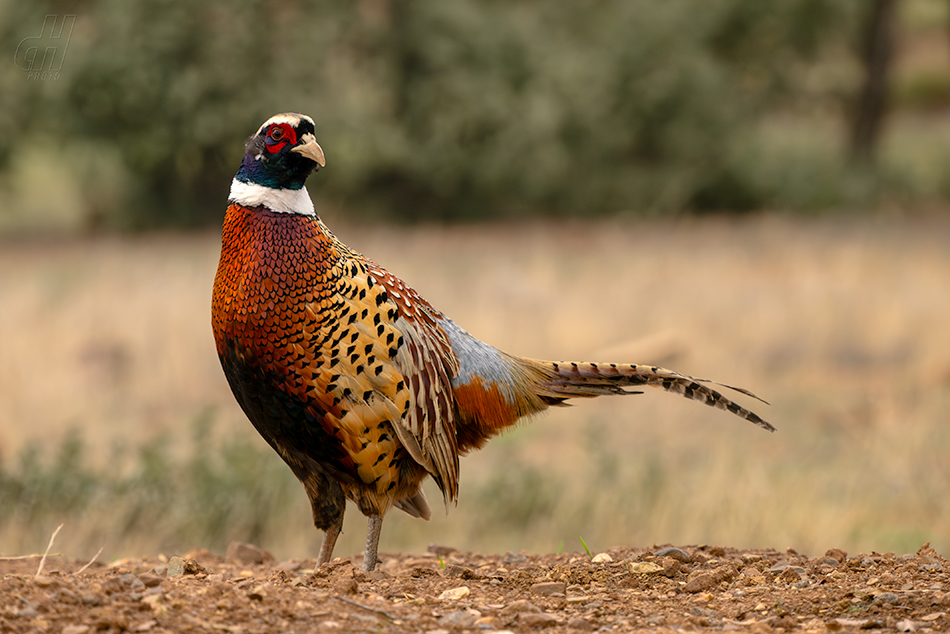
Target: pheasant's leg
x=329, y=541
x=372, y=542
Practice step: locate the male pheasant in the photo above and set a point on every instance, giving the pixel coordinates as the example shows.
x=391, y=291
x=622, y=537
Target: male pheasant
x=361, y=386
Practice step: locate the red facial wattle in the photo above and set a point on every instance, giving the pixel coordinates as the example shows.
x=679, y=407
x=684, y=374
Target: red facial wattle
x=278, y=136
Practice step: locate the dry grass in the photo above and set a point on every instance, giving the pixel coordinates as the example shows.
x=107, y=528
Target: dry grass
x=844, y=325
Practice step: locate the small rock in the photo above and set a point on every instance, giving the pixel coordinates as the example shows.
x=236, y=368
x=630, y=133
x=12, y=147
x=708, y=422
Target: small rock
x=111, y=585
x=837, y=554
x=460, y=618
x=643, y=567
x=701, y=583
x=441, y=551
x=27, y=611
x=247, y=554
x=537, y=619
x=790, y=575
x=176, y=567
x=43, y=581
x=549, y=588
x=886, y=597
x=454, y=594
x=781, y=566
x=855, y=623
x=706, y=580
x=75, y=629
x=579, y=623
x=906, y=626
x=671, y=551
x=670, y=566
x=149, y=580
x=519, y=607
x=601, y=558
x=257, y=594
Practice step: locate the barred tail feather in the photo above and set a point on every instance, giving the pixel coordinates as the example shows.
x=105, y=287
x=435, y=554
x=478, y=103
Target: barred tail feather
x=585, y=380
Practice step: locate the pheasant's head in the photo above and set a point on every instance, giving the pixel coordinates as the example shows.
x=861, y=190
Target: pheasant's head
x=277, y=162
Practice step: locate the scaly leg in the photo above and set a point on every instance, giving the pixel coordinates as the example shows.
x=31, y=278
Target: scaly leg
x=372, y=542
x=329, y=541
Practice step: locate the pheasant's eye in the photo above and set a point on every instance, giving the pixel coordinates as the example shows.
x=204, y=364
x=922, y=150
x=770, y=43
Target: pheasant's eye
x=276, y=133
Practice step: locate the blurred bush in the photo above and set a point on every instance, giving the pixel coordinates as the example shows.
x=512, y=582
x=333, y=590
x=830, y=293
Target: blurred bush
x=427, y=109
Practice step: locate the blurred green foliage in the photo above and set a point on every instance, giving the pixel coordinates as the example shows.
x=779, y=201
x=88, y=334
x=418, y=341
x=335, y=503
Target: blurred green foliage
x=211, y=493
x=427, y=109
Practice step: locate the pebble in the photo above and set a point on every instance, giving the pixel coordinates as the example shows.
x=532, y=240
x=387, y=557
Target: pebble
x=537, y=619
x=549, y=588
x=785, y=565
x=246, y=554
x=579, y=623
x=601, y=558
x=706, y=580
x=906, y=626
x=150, y=580
x=519, y=607
x=257, y=594
x=75, y=629
x=676, y=553
x=837, y=554
x=643, y=567
x=461, y=618
x=454, y=594
x=176, y=567
x=886, y=597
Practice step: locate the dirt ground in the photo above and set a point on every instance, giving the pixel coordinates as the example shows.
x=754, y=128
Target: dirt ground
x=661, y=588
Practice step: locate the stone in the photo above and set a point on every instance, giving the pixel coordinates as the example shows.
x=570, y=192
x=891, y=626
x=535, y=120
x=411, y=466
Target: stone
x=671, y=551
x=247, y=554
x=837, y=554
x=537, y=619
x=461, y=618
x=454, y=594
x=643, y=567
x=699, y=582
x=149, y=580
x=579, y=623
x=601, y=558
x=519, y=607
x=549, y=588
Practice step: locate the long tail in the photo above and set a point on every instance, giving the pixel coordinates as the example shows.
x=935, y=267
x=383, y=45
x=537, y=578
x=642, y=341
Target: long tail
x=563, y=380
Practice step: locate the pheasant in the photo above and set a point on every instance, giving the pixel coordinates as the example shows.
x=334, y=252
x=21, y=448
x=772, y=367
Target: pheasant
x=361, y=386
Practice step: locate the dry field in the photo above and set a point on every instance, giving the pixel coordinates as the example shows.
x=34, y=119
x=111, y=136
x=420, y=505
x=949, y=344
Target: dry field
x=843, y=325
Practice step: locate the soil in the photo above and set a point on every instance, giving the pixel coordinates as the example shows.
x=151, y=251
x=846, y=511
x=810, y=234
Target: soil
x=625, y=589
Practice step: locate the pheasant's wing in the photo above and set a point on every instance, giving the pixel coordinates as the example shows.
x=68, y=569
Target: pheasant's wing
x=426, y=361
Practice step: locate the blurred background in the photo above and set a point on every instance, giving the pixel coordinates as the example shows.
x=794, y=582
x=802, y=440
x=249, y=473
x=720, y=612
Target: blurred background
x=753, y=192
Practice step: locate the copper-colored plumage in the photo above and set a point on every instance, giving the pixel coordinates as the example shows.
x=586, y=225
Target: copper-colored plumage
x=360, y=385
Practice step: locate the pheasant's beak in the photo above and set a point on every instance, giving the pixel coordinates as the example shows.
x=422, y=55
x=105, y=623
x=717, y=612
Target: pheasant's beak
x=311, y=149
